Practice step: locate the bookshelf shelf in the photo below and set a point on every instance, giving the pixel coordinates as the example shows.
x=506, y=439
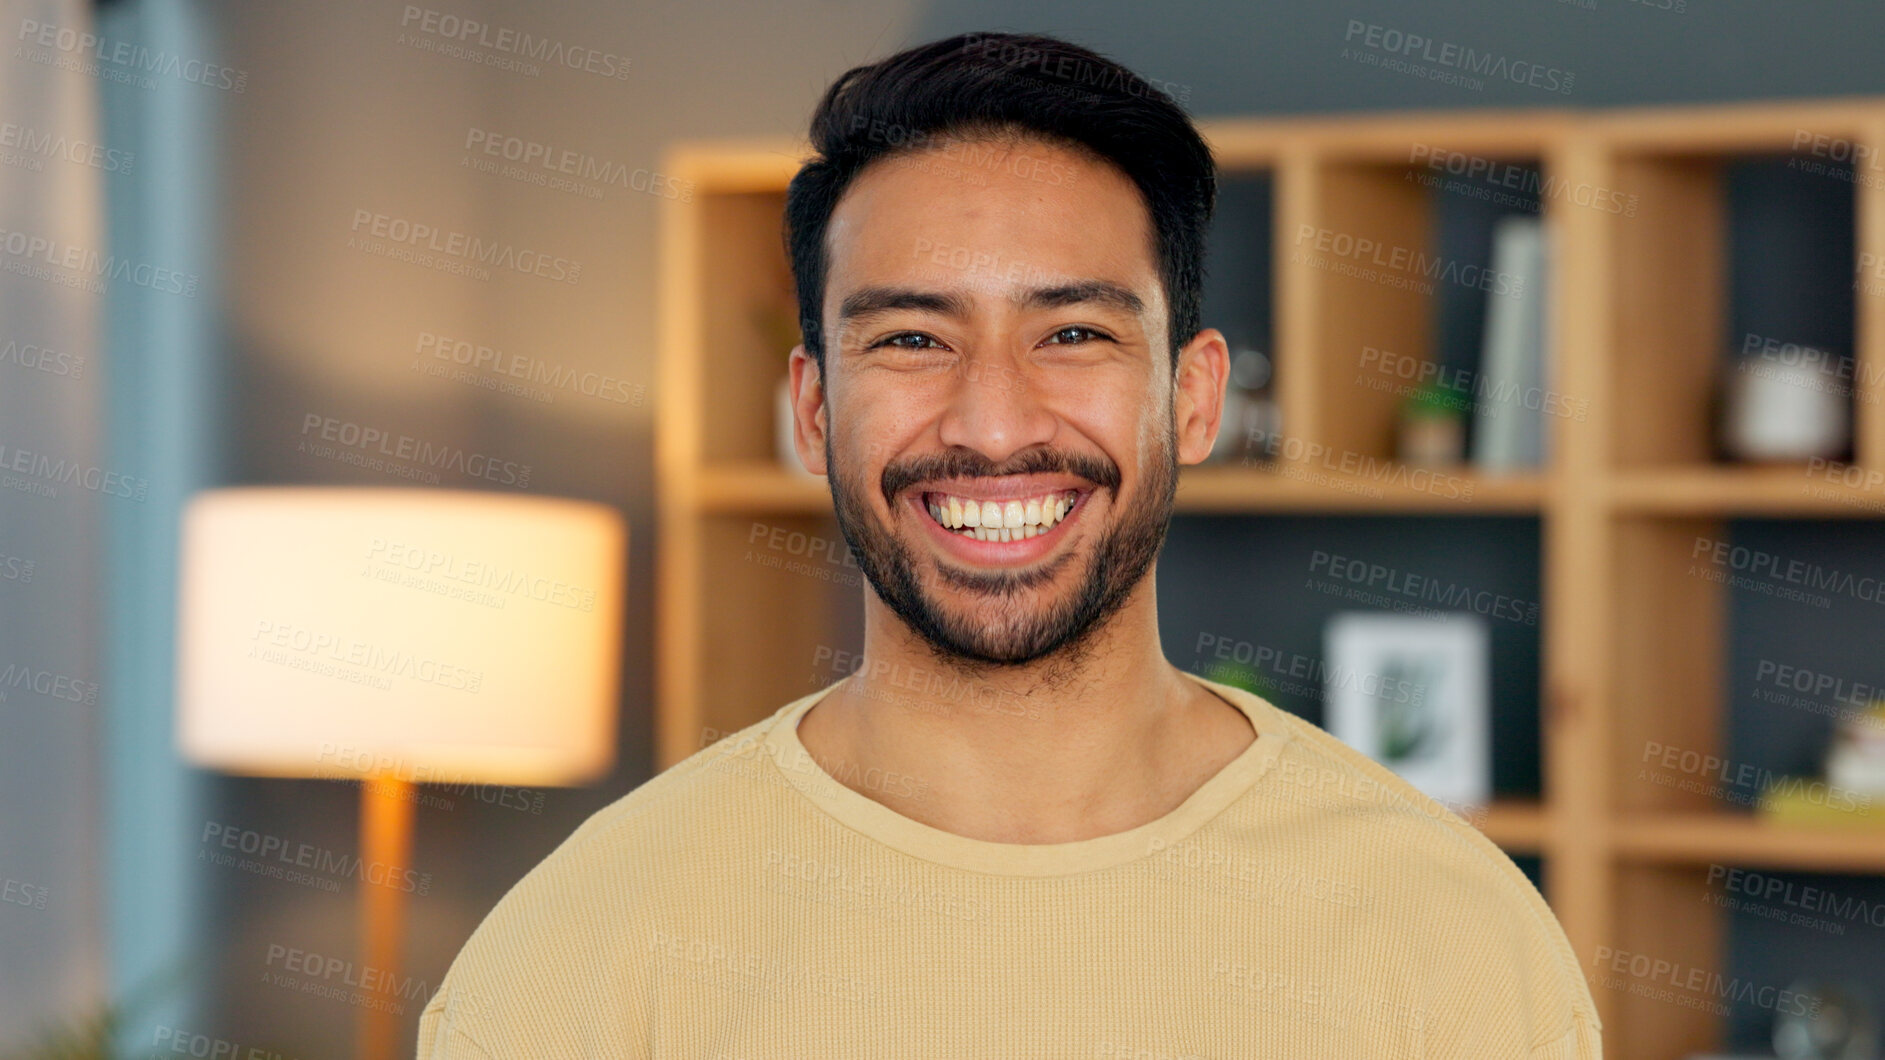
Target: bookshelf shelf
x=1517, y=825
x=1744, y=840
x=759, y=486
x=1780, y=491
x=1634, y=643
x=1390, y=489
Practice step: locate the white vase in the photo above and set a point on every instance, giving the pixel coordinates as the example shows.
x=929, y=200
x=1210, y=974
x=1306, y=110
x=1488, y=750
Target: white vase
x=1781, y=411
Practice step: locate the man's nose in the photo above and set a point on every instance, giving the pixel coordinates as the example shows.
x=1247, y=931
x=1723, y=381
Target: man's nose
x=991, y=409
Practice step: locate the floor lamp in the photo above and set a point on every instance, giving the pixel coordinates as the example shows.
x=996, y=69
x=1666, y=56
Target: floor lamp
x=401, y=636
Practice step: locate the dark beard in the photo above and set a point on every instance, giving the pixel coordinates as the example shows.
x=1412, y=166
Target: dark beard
x=1065, y=630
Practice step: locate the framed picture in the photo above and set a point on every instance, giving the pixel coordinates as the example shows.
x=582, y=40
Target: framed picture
x=1413, y=693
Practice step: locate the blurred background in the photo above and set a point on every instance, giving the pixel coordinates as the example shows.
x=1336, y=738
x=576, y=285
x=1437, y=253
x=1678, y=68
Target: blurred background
x=234, y=241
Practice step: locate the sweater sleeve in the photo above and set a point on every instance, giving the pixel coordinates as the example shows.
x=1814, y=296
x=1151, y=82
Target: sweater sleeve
x=553, y=970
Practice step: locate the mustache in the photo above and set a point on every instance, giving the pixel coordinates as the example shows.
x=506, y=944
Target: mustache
x=963, y=463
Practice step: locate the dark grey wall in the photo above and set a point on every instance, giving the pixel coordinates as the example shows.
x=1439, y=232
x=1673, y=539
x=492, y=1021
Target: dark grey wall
x=1287, y=58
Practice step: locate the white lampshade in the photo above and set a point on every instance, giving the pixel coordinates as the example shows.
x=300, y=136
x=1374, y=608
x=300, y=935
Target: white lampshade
x=423, y=634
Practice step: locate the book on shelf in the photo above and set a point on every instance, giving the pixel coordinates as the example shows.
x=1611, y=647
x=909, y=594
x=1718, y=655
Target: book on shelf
x=1508, y=420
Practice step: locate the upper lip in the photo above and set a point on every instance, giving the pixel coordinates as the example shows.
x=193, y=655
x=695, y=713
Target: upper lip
x=1005, y=488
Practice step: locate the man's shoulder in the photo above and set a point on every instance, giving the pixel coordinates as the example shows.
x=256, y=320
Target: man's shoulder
x=1319, y=773
x=575, y=927
x=1413, y=854
x=1407, y=827
x=711, y=794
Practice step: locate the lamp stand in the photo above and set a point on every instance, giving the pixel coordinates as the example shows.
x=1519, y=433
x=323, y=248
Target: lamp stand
x=386, y=812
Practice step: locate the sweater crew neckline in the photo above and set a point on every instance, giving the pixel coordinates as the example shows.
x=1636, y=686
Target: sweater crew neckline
x=927, y=843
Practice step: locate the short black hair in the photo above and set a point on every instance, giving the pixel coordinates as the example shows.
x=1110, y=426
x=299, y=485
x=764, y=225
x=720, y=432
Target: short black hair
x=989, y=85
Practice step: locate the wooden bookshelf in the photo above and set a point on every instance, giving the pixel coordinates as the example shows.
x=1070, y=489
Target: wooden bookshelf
x=1633, y=647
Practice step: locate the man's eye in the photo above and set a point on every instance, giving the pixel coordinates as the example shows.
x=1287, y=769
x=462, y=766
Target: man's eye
x=1078, y=332
x=898, y=341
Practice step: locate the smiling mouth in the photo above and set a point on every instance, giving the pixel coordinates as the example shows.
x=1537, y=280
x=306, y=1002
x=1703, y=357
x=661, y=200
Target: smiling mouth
x=1015, y=519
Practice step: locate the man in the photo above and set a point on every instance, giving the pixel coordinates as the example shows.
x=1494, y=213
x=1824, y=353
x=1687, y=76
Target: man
x=1088, y=852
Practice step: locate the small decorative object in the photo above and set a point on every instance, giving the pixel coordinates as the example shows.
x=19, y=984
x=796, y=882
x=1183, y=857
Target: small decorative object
x=1775, y=409
x=1433, y=427
x=1412, y=693
x=1250, y=411
x=1856, y=761
x=1841, y=1027
x=1853, y=792
x=784, y=449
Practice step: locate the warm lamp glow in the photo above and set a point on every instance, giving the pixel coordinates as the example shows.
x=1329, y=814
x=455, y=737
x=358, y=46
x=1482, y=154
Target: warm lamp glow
x=423, y=634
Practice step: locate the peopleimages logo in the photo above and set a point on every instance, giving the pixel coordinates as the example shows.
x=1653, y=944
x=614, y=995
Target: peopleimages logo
x=24, y=252
x=557, y=162
x=39, y=143
x=397, y=237
x=531, y=369
x=17, y=677
x=1406, y=266
x=288, y=641
x=1391, y=41
x=41, y=359
x=1692, y=986
x=364, y=439
x=443, y=27
x=360, y=977
x=272, y=854
x=126, y=59
x=42, y=473
x=14, y=892
x=1768, y=888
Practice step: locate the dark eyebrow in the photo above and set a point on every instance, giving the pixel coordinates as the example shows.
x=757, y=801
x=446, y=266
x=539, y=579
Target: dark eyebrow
x=870, y=301
x=1100, y=291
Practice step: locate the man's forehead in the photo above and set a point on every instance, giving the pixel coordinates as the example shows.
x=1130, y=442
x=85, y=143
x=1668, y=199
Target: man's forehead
x=910, y=224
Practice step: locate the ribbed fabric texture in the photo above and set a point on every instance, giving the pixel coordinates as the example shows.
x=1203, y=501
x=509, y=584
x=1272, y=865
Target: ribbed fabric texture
x=1304, y=902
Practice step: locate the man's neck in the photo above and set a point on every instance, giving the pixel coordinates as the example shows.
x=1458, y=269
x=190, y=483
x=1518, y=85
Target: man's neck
x=1024, y=754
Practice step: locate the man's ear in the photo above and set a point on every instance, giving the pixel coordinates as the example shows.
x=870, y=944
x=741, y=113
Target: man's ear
x=1202, y=373
x=809, y=419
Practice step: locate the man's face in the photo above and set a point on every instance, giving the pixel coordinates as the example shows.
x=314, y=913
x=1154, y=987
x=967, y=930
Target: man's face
x=998, y=357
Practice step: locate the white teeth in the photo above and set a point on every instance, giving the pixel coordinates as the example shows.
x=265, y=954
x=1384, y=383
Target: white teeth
x=1013, y=520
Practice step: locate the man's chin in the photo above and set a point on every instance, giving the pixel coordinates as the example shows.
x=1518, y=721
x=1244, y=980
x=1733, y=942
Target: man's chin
x=989, y=649
x=991, y=626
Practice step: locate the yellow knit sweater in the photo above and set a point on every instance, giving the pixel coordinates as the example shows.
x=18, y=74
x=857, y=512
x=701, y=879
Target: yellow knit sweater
x=1304, y=902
